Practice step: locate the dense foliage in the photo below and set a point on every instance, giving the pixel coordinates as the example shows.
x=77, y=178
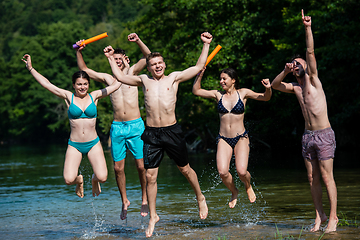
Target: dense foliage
x=257, y=36
x=47, y=30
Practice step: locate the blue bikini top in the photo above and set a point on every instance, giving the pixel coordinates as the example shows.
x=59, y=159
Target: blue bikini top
x=74, y=112
x=237, y=109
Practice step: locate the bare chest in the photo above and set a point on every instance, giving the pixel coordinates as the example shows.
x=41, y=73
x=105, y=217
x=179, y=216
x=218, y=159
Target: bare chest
x=124, y=95
x=162, y=89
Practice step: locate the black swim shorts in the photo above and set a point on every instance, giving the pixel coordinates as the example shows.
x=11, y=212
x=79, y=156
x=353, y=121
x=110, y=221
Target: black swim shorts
x=169, y=139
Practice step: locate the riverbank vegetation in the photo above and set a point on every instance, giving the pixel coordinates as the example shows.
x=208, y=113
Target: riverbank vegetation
x=257, y=36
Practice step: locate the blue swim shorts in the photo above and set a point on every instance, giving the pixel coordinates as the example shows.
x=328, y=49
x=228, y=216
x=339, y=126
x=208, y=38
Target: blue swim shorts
x=127, y=135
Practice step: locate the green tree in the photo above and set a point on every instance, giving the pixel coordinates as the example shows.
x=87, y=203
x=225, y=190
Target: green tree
x=31, y=108
x=47, y=30
x=258, y=37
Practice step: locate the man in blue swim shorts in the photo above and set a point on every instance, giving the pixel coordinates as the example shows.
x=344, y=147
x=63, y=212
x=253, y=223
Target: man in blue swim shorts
x=319, y=139
x=127, y=127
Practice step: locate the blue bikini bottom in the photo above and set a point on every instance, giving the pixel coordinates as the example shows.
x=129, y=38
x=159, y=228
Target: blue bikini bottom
x=84, y=147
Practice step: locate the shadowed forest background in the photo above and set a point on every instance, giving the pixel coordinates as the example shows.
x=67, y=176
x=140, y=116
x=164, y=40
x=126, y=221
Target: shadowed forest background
x=258, y=37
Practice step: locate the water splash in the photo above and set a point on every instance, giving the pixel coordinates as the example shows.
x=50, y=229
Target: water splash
x=210, y=178
x=98, y=229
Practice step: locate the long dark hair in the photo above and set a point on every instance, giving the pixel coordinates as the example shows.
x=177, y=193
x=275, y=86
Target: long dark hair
x=233, y=75
x=80, y=74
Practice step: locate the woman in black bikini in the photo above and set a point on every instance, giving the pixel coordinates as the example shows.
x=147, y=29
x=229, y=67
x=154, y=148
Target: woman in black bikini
x=232, y=138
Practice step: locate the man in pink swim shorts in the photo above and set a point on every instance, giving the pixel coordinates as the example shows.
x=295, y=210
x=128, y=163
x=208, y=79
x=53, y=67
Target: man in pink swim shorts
x=318, y=142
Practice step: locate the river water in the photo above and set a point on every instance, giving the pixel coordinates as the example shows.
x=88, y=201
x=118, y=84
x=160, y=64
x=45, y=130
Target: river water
x=35, y=203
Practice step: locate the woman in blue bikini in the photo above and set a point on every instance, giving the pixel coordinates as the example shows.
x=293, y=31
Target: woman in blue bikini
x=232, y=138
x=83, y=137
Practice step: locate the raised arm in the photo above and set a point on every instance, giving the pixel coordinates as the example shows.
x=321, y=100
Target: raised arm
x=198, y=91
x=127, y=79
x=101, y=93
x=192, y=71
x=310, y=54
x=278, y=83
x=99, y=77
x=64, y=94
x=261, y=96
x=141, y=64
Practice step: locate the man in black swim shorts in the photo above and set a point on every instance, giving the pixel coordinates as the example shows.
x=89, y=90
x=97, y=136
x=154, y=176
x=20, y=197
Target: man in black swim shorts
x=162, y=134
x=169, y=139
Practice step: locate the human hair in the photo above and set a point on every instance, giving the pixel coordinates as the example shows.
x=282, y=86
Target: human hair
x=233, y=75
x=119, y=51
x=153, y=55
x=80, y=74
x=296, y=56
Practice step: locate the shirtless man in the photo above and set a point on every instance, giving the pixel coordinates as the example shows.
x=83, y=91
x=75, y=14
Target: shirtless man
x=127, y=126
x=162, y=132
x=318, y=141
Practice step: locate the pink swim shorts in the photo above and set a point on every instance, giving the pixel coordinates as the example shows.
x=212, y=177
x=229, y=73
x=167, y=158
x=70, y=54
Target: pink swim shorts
x=318, y=144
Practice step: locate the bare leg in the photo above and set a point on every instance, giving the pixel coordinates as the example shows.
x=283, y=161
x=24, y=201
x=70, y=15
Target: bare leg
x=313, y=171
x=151, y=189
x=98, y=163
x=96, y=189
x=249, y=190
x=141, y=171
x=223, y=158
x=233, y=200
x=71, y=167
x=191, y=176
x=326, y=168
x=242, y=150
x=121, y=183
x=79, y=190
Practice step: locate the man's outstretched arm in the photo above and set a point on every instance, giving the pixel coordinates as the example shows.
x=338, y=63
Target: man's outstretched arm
x=310, y=53
x=141, y=64
x=278, y=83
x=192, y=71
x=127, y=79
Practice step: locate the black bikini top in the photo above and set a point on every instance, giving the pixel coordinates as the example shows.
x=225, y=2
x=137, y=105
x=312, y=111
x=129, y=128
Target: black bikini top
x=237, y=109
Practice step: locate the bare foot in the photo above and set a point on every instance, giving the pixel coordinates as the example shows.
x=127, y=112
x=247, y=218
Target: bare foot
x=233, y=199
x=203, y=209
x=79, y=190
x=144, y=210
x=331, y=226
x=251, y=194
x=149, y=231
x=124, y=210
x=96, y=189
x=317, y=223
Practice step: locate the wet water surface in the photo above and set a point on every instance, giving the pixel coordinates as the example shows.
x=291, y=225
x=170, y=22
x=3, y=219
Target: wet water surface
x=36, y=204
